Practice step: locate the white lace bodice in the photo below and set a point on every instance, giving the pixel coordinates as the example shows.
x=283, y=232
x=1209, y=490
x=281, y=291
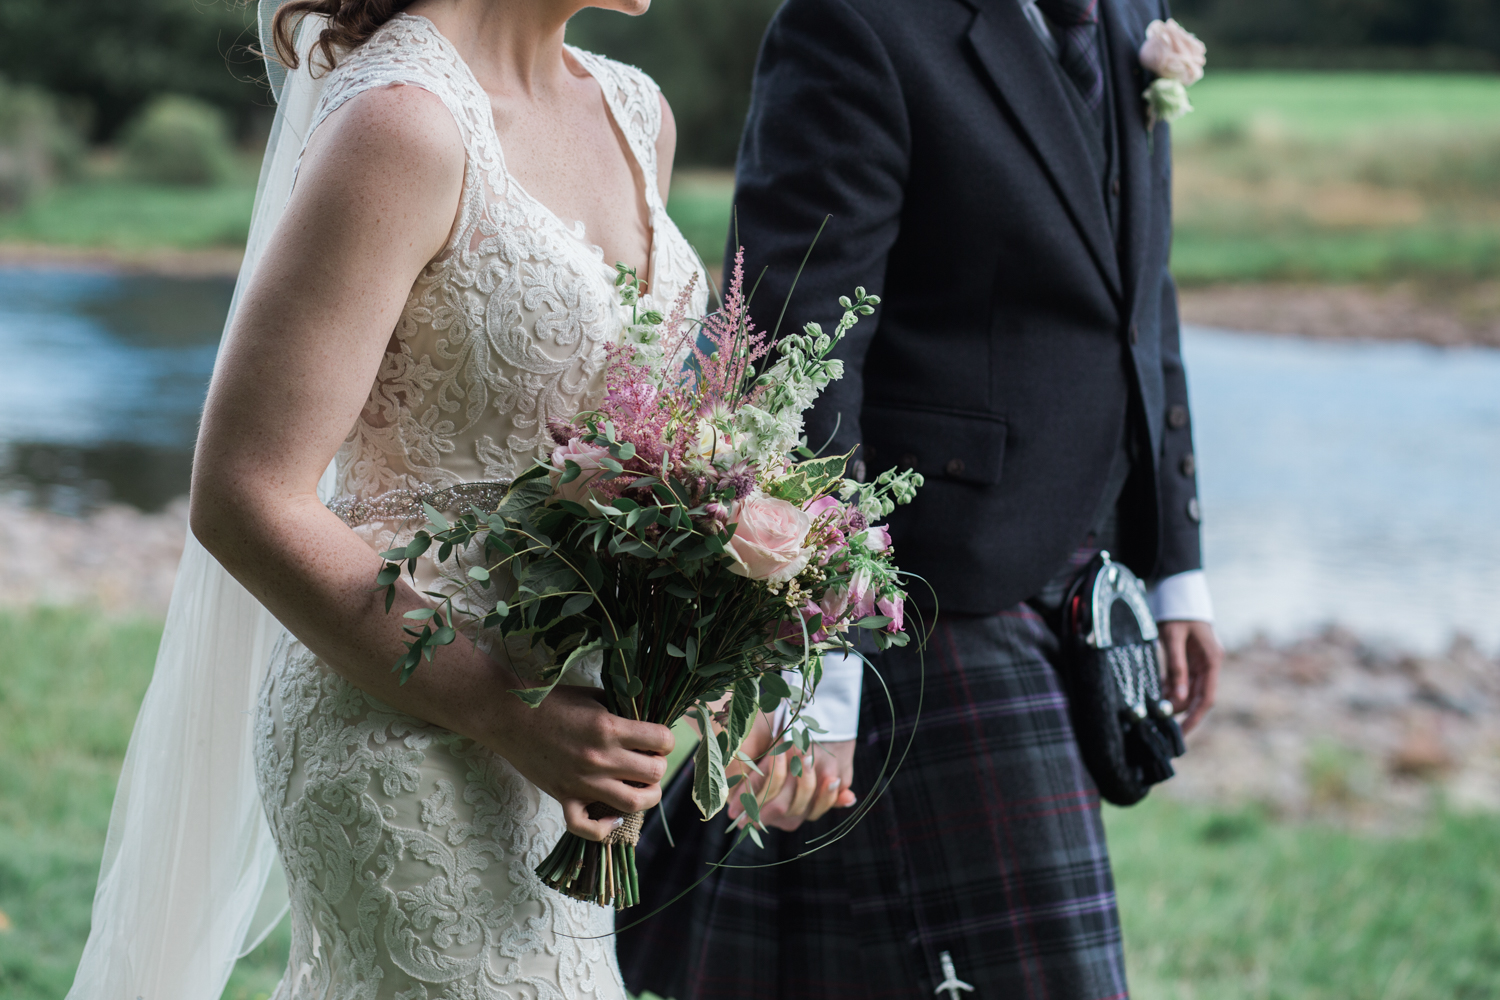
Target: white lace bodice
x=409, y=850
x=505, y=329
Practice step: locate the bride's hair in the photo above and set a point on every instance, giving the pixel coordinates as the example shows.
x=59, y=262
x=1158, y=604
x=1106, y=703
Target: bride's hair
x=350, y=23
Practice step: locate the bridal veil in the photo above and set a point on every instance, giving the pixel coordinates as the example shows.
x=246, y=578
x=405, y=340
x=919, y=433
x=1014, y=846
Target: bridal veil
x=190, y=880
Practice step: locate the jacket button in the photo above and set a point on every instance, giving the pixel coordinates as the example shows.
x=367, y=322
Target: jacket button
x=955, y=467
x=1114, y=187
x=1189, y=464
x=908, y=461
x=1135, y=334
x=1194, y=512
x=1177, y=417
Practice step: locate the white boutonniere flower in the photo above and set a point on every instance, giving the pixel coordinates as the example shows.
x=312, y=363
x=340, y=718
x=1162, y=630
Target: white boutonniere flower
x=1177, y=57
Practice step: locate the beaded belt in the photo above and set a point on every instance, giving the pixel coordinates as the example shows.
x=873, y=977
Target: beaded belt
x=406, y=505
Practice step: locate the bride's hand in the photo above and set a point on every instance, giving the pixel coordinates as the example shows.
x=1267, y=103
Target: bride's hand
x=581, y=754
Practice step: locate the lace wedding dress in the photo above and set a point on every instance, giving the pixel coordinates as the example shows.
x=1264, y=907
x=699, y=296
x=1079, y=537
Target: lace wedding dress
x=409, y=850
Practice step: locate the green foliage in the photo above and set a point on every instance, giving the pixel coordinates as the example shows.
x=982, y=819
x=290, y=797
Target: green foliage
x=41, y=141
x=702, y=54
x=1376, y=33
x=178, y=140
x=117, y=56
x=1233, y=906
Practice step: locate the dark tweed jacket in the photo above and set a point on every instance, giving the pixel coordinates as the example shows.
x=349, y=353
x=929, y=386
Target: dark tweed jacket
x=1017, y=329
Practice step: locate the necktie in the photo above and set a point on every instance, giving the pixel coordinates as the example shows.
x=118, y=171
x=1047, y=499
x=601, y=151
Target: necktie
x=1078, y=47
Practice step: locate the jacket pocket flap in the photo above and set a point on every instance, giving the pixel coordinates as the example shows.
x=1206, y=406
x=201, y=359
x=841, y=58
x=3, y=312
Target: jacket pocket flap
x=963, y=447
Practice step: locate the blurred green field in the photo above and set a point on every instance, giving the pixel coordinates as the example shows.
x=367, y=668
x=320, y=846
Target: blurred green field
x=1279, y=176
x=1215, y=905
x=130, y=217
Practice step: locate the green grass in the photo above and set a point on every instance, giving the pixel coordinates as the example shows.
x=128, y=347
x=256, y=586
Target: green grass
x=1230, y=906
x=129, y=217
x=1215, y=905
x=1341, y=105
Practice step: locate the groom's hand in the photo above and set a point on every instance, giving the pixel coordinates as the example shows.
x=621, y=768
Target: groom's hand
x=1193, y=659
x=788, y=800
x=824, y=784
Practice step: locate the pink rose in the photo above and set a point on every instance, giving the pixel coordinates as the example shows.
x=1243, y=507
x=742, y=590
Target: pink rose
x=878, y=538
x=894, y=609
x=767, y=545
x=1173, y=53
x=588, y=457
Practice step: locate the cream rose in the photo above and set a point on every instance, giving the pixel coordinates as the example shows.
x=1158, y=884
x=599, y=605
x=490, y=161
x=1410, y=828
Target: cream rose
x=588, y=457
x=768, y=542
x=711, y=443
x=1173, y=53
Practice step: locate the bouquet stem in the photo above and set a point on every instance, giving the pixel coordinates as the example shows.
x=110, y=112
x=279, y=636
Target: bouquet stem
x=597, y=872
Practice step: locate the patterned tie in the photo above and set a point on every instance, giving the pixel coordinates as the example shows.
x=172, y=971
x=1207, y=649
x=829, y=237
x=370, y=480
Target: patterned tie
x=1078, y=48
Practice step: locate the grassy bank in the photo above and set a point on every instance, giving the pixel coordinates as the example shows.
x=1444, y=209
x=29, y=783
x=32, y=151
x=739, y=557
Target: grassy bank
x=1278, y=176
x=1221, y=905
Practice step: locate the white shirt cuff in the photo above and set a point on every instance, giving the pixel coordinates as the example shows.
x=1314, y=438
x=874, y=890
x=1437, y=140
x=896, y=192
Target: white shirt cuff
x=835, y=705
x=1182, y=597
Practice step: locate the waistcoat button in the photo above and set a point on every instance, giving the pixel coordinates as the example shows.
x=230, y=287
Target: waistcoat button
x=955, y=467
x=1177, y=417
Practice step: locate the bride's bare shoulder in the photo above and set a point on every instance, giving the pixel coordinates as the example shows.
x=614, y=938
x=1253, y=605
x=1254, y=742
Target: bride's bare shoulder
x=403, y=132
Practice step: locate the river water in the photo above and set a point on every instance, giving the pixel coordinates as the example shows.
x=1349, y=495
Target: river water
x=1348, y=482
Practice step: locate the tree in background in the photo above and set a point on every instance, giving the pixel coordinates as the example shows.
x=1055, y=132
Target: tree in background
x=118, y=54
x=701, y=52
x=1458, y=34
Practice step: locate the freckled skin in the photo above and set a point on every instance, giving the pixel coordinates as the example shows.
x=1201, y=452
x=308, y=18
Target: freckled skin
x=375, y=200
x=561, y=143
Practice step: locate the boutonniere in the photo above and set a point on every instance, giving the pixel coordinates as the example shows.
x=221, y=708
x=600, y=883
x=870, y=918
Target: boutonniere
x=1176, y=56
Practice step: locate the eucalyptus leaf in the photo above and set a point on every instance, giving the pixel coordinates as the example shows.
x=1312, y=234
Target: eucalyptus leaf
x=710, y=789
x=742, y=711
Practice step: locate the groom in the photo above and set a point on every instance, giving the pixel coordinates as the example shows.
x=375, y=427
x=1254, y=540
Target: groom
x=988, y=170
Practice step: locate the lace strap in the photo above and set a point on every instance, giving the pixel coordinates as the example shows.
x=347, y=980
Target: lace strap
x=636, y=101
x=405, y=51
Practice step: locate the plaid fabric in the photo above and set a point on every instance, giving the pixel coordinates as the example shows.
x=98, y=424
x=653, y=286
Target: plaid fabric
x=1079, y=45
x=988, y=845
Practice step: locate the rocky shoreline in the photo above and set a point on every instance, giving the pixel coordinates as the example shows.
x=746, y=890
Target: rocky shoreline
x=1447, y=316
x=1328, y=727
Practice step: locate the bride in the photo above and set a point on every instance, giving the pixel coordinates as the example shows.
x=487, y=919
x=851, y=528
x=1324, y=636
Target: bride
x=429, y=282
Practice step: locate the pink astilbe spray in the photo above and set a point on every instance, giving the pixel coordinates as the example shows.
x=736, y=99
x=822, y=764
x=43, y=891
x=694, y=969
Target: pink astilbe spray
x=724, y=370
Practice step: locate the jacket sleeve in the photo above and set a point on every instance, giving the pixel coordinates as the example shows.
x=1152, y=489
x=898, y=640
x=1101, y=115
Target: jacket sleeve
x=826, y=137
x=1177, y=474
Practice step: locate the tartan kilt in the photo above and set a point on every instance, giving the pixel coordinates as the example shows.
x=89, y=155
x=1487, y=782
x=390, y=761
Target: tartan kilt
x=988, y=845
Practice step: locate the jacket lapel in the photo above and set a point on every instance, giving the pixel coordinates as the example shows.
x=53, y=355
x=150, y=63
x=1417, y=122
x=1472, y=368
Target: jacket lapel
x=1022, y=71
x=1124, y=38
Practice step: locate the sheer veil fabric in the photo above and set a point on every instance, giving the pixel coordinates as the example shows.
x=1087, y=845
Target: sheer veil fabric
x=190, y=878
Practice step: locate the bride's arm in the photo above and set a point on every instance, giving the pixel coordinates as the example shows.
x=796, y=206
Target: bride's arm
x=375, y=201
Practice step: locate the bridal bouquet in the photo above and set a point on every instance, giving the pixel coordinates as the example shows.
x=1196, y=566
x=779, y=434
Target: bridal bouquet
x=684, y=542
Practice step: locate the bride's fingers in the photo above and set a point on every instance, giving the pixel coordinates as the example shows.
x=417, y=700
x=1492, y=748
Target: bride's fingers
x=644, y=737
x=576, y=815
